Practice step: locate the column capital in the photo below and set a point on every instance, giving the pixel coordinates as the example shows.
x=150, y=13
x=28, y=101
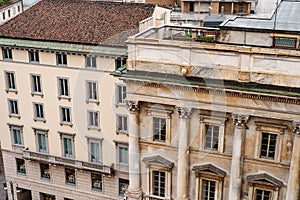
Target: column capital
x=133, y=106
x=296, y=127
x=240, y=120
x=184, y=112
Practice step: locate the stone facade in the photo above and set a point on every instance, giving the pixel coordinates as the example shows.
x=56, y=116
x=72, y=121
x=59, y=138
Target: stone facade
x=207, y=124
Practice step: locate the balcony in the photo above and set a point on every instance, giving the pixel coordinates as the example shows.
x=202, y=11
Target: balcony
x=55, y=160
x=122, y=167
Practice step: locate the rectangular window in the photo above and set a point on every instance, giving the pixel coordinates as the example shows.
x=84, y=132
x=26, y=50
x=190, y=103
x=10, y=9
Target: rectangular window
x=90, y=62
x=119, y=62
x=262, y=194
x=123, y=154
x=61, y=59
x=65, y=114
x=63, y=87
x=10, y=81
x=20, y=166
x=121, y=94
x=19, y=10
x=96, y=181
x=3, y=15
x=93, y=119
x=41, y=138
x=268, y=145
x=36, y=84
x=95, y=152
x=123, y=185
x=38, y=110
x=6, y=53
x=208, y=189
x=13, y=107
x=33, y=56
x=159, y=181
x=122, y=123
x=159, y=129
x=16, y=135
x=47, y=196
x=8, y=13
x=70, y=176
x=285, y=42
x=45, y=171
x=92, y=90
x=211, y=137
x=68, y=147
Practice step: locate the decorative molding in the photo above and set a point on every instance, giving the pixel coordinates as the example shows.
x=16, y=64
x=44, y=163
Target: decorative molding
x=296, y=127
x=184, y=113
x=209, y=168
x=264, y=179
x=159, y=109
x=218, y=91
x=133, y=106
x=240, y=120
x=158, y=160
x=261, y=126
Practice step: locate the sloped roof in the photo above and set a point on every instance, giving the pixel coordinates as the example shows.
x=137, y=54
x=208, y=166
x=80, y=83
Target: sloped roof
x=285, y=18
x=78, y=21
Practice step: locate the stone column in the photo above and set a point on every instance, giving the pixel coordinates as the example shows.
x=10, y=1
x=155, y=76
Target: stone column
x=294, y=182
x=134, y=190
x=237, y=156
x=183, y=153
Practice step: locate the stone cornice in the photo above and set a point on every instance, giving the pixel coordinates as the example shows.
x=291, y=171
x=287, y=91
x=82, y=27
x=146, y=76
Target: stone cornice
x=217, y=91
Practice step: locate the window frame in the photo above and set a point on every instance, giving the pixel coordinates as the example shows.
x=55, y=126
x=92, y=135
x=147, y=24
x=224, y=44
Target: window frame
x=121, y=190
x=67, y=180
x=122, y=166
x=123, y=124
x=92, y=60
x=38, y=113
x=119, y=62
x=66, y=87
x=211, y=173
x=99, y=189
x=207, y=120
x=72, y=138
x=160, y=131
x=7, y=51
x=159, y=112
x=98, y=141
x=21, y=171
x=15, y=112
x=44, y=132
x=93, y=119
x=63, y=58
x=62, y=112
x=118, y=88
x=16, y=146
x=265, y=127
x=10, y=76
x=33, y=56
x=91, y=90
x=45, y=175
x=36, y=85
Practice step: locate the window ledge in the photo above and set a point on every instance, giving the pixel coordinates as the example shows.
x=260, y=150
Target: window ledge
x=66, y=124
x=21, y=173
x=120, y=104
x=71, y=184
x=62, y=65
x=15, y=115
x=34, y=62
x=64, y=97
x=40, y=120
x=122, y=132
x=37, y=94
x=97, y=190
x=11, y=90
x=94, y=128
x=7, y=59
x=45, y=179
x=96, y=101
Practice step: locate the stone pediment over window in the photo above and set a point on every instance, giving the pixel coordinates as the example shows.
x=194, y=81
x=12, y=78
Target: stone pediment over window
x=209, y=169
x=264, y=179
x=158, y=160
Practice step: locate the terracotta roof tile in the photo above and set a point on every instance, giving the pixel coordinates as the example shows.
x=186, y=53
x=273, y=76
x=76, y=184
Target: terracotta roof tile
x=78, y=21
